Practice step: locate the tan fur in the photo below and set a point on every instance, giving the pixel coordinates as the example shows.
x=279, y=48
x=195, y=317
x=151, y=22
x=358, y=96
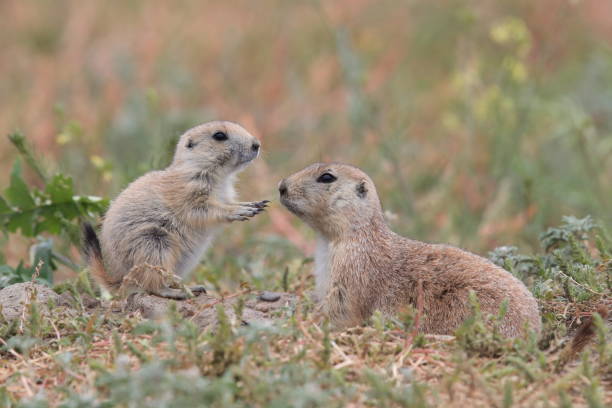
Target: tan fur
x=164, y=220
x=369, y=267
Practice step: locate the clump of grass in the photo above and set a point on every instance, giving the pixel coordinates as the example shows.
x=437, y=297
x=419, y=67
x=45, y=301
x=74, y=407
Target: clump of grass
x=118, y=360
x=570, y=277
x=480, y=333
x=226, y=347
x=576, y=263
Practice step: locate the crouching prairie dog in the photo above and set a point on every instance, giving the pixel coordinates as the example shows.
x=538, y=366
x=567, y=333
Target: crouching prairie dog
x=362, y=266
x=160, y=225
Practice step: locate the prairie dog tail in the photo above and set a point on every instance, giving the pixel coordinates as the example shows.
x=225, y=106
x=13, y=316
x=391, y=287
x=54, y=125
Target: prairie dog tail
x=582, y=337
x=586, y=331
x=93, y=256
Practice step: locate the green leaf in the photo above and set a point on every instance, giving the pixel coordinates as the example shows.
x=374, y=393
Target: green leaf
x=22, y=220
x=17, y=193
x=4, y=207
x=6, y=270
x=50, y=210
x=91, y=205
x=9, y=276
x=69, y=210
x=5, y=211
x=60, y=189
x=51, y=221
x=42, y=251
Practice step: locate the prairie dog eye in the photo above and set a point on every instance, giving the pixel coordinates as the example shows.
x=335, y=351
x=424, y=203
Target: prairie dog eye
x=326, y=178
x=220, y=136
x=190, y=144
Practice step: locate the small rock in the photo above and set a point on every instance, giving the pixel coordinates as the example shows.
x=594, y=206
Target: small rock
x=14, y=298
x=269, y=296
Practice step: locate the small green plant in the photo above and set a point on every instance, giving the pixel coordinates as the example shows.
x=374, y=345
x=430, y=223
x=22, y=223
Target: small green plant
x=479, y=334
x=576, y=264
x=32, y=212
x=226, y=347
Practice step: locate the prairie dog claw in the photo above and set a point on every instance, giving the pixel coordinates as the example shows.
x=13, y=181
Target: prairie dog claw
x=247, y=210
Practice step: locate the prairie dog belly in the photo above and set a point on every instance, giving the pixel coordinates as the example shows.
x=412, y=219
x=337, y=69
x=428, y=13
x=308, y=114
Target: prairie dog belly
x=321, y=269
x=192, y=256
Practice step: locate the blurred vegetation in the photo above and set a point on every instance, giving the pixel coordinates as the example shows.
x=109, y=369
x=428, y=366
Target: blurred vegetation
x=481, y=124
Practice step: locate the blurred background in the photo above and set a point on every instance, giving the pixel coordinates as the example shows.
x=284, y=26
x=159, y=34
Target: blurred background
x=482, y=123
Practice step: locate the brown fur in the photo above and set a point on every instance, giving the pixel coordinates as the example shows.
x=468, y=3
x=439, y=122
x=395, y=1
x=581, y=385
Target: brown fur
x=583, y=336
x=160, y=225
x=586, y=331
x=361, y=265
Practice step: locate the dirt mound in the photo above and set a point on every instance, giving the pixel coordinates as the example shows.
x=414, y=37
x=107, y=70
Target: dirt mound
x=258, y=308
x=202, y=309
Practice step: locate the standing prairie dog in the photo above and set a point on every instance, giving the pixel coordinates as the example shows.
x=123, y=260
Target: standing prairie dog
x=362, y=266
x=161, y=224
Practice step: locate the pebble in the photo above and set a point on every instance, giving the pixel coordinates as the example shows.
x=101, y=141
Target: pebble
x=269, y=296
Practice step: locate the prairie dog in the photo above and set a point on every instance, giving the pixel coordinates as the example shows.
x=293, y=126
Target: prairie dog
x=162, y=223
x=361, y=265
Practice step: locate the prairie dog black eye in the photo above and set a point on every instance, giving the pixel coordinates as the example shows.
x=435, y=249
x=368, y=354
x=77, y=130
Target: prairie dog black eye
x=190, y=144
x=326, y=178
x=220, y=136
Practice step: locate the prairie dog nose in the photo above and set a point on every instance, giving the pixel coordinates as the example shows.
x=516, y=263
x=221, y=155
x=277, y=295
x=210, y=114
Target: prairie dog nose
x=282, y=187
x=255, y=146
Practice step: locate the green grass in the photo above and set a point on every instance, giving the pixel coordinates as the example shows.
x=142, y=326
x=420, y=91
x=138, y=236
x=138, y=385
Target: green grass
x=99, y=358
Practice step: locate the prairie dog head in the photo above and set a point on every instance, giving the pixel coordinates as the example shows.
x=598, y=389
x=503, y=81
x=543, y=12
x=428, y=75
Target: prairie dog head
x=333, y=198
x=219, y=145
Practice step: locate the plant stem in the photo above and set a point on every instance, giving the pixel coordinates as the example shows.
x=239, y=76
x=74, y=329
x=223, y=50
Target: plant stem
x=19, y=141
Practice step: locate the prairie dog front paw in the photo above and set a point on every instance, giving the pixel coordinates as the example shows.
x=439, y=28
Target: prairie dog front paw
x=244, y=211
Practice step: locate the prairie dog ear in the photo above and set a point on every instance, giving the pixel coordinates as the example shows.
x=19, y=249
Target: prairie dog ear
x=361, y=189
